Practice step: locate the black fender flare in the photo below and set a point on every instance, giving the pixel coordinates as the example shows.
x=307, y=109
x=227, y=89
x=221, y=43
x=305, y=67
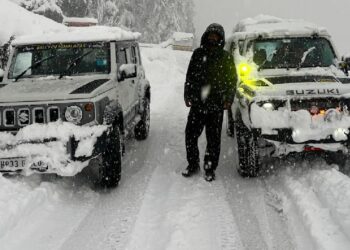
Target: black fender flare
x=113, y=115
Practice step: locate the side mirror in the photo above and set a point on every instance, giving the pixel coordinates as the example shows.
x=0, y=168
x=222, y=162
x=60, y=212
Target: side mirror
x=127, y=71
x=344, y=65
x=1, y=75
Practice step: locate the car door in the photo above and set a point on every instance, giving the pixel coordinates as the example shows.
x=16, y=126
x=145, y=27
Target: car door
x=135, y=54
x=126, y=86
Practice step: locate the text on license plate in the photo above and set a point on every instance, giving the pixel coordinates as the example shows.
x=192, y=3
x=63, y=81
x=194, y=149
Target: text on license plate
x=12, y=163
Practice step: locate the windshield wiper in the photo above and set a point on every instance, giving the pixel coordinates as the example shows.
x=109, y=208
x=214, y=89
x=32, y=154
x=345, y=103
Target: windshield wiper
x=306, y=53
x=35, y=65
x=73, y=64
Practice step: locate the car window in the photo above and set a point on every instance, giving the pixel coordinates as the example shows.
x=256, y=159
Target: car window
x=133, y=55
x=138, y=54
x=121, y=56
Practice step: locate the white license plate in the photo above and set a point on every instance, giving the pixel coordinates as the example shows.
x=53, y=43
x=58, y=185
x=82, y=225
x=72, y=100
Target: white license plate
x=12, y=164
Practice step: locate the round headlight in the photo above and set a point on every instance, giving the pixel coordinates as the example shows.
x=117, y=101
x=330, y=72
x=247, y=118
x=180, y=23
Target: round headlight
x=74, y=114
x=268, y=106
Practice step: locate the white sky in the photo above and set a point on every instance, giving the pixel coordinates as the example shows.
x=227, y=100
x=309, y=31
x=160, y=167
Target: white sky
x=332, y=14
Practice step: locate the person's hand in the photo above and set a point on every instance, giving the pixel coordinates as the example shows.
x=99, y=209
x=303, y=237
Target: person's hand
x=227, y=105
x=188, y=103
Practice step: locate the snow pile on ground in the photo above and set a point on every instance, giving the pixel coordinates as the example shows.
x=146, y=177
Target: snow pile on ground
x=47, y=144
x=16, y=21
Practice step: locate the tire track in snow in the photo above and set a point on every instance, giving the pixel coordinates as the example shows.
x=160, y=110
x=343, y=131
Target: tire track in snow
x=180, y=213
x=316, y=199
x=259, y=221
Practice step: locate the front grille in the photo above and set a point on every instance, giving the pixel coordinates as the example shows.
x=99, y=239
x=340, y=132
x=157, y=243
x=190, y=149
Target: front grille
x=320, y=103
x=9, y=117
x=39, y=115
x=24, y=116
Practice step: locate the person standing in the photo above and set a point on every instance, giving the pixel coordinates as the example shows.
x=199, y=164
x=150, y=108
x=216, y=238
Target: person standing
x=209, y=89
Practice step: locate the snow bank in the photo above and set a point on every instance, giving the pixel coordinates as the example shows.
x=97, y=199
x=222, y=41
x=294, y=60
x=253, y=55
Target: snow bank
x=16, y=21
x=30, y=143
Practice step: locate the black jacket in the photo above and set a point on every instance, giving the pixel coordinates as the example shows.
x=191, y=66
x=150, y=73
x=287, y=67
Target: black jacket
x=214, y=67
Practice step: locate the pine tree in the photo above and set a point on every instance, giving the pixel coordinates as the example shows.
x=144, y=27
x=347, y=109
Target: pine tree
x=155, y=19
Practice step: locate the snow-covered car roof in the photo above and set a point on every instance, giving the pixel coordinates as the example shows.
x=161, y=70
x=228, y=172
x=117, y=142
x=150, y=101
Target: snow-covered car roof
x=79, y=34
x=269, y=26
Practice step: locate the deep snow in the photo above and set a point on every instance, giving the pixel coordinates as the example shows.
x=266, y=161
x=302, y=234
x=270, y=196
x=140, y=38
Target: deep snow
x=299, y=205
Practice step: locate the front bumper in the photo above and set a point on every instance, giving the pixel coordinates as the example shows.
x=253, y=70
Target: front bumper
x=282, y=143
x=58, y=148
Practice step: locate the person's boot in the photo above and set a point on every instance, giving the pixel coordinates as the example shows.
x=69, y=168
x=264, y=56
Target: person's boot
x=190, y=171
x=209, y=175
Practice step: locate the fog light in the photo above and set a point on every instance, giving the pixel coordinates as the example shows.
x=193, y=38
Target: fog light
x=268, y=106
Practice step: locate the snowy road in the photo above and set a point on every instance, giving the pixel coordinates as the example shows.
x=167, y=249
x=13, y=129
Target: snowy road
x=154, y=208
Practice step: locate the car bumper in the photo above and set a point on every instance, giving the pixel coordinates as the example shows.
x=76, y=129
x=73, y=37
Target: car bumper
x=66, y=154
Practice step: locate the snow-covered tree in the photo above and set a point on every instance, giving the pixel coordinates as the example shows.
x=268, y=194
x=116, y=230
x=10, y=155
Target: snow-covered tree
x=155, y=19
x=48, y=8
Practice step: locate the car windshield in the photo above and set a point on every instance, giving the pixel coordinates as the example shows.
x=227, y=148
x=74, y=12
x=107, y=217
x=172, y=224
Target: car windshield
x=293, y=53
x=56, y=59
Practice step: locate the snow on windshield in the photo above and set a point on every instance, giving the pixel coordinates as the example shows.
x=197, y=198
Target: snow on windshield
x=293, y=53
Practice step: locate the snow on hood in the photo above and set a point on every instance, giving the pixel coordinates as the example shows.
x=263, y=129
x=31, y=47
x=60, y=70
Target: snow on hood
x=43, y=89
x=17, y=21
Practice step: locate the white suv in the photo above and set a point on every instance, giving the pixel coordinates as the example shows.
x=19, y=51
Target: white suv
x=85, y=89
x=292, y=97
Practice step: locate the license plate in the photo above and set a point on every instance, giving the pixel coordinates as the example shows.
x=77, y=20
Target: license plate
x=12, y=164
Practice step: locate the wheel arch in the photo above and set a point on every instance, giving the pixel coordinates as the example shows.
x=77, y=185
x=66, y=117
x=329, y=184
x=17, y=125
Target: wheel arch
x=113, y=115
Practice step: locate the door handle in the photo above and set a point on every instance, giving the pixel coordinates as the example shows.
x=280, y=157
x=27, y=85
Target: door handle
x=133, y=81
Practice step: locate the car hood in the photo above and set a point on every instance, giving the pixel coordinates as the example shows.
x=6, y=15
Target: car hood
x=51, y=89
x=300, y=83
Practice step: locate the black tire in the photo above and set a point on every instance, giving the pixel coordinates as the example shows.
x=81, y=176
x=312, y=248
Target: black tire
x=110, y=171
x=249, y=159
x=230, y=124
x=143, y=126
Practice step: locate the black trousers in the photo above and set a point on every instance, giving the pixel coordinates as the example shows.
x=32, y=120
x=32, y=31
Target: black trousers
x=212, y=121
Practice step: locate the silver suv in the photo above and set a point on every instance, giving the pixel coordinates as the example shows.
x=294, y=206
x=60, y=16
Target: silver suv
x=86, y=81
